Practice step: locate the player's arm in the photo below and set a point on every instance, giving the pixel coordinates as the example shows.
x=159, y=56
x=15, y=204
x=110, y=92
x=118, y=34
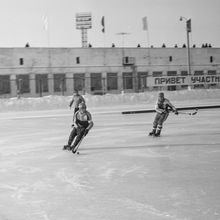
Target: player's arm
x=90, y=124
x=158, y=109
x=74, y=121
x=71, y=102
x=173, y=108
x=90, y=121
x=82, y=99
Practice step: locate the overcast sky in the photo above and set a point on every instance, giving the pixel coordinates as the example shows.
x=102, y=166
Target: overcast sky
x=21, y=22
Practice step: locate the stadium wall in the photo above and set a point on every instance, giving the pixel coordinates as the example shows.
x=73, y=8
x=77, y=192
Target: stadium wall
x=31, y=72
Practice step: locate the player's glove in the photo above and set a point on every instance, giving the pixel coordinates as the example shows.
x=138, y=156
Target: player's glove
x=163, y=112
x=176, y=112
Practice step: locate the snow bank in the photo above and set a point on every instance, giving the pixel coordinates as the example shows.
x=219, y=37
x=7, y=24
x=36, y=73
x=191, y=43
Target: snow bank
x=110, y=100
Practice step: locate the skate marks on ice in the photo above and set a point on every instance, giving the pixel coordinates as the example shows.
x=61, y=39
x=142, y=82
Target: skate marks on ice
x=74, y=180
x=22, y=201
x=110, y=173
x=145, y=209
x=133, y=148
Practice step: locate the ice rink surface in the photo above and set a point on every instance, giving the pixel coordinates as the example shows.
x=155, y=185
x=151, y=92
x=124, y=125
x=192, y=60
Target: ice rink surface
x=121, y=173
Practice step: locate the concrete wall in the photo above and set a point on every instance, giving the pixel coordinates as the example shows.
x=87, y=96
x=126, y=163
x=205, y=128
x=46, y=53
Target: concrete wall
x=101, y=60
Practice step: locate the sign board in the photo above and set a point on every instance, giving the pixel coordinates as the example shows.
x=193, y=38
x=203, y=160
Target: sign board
x=83, y=20
x=183, y=80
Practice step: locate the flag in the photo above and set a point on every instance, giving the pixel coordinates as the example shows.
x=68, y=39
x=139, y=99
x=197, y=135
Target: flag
x=45, y=21
x=144, y=20
x=188, y=25
x=103, y=24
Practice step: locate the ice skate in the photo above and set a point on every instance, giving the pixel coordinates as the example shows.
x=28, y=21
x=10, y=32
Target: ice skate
x=152, y=133
x=157, y=134
x=74, y=149
x=66, y=147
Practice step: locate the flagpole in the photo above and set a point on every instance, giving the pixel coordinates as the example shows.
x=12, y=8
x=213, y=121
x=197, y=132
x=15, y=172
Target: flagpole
x=148, y=38
x=46, y=28
x=48, y=38
x=103, y=31
x=146, y=28
x=104, y=39
x=103, y=28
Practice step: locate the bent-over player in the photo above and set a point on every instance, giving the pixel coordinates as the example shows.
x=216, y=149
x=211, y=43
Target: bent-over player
x=82, y=123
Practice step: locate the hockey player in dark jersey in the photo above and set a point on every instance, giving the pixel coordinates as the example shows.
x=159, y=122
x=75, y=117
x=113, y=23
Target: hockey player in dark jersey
x=82, y=123
x=162, y=107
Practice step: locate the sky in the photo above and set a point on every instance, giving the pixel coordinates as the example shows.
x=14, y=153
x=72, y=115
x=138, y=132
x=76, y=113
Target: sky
x=21, y=22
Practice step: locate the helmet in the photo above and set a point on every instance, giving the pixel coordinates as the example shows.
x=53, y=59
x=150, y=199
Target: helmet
x=161, y=94
x=82, y=105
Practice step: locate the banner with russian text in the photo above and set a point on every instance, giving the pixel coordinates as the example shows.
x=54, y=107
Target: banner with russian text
x=182, y=80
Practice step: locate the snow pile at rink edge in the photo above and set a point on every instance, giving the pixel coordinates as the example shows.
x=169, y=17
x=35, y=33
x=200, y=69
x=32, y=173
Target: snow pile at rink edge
x=53, y=102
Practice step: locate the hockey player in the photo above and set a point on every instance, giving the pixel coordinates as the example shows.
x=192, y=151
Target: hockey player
x=82, y=123
x=76, y=100
x=163, y=107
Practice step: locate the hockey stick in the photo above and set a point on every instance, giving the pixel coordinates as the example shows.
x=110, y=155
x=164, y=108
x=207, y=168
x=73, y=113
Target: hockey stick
x=189, y=113
x=77, y=146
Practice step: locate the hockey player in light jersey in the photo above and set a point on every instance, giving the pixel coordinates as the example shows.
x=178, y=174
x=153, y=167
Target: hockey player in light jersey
x=82, y=123
x=163, y=107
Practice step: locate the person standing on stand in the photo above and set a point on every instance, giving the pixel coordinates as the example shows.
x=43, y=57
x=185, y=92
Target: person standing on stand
x=76, y=100
x=163, y=107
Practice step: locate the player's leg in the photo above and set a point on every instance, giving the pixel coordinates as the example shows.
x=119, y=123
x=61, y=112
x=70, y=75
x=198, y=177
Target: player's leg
x=155, y=123
x=78, y=138
x=71, y=138
x=161, y=120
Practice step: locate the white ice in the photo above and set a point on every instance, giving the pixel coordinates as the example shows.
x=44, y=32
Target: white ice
x=121, y=173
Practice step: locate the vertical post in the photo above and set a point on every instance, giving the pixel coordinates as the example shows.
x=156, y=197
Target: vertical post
x=19, y=88
x=145, y=28
x=40, y=87
x=104, y=82
x=189, y=61
x=63, y=87
x=84, y=37
x=120, y=81
x=148, y=50
x=135, y=77
x=13, y=85
x=188, y=29
x=87, y=83
x=33, y=84
x=69, y=83
x=50, y=82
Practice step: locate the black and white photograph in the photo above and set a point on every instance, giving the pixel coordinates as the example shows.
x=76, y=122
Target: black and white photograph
x=110, y=110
